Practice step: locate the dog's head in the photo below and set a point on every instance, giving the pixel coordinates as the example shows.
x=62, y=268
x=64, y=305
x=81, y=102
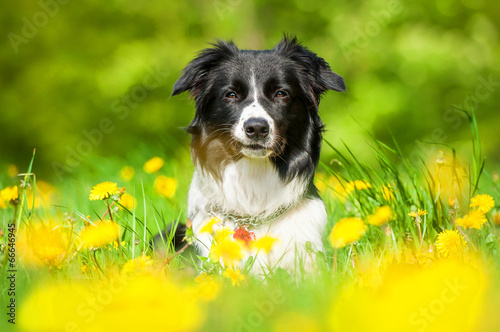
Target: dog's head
x=258, y=104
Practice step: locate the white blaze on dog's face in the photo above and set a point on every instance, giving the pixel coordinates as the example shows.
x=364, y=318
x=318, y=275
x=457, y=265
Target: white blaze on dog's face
x=255, y=130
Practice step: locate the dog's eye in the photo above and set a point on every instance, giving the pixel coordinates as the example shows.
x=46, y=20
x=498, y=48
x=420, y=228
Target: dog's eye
x=281, y=94
x=231, y=95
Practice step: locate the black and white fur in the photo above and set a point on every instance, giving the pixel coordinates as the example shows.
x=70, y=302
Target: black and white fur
x=256, y=140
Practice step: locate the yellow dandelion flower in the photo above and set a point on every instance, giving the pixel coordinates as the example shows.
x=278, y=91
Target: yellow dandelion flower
x=264, y=244
x=381, y=216
x=411, y=293
x=340, y=191
x=422, y=212
x=128, y=201
x=115, y=245
x=223, y=234
x=387, y=193
x=483, y=203
x=320, y=182
x=204, y=277
x=2, y=204
x=102, y=233
x=496, y=218
x=49, y=245
x=131, y=304
x=137, y=265
x=165, y=186
x=127, y=173
x=418, y=213
x=296, y=321
x=450, y=243
x=229, y=251
x=346, y=231
x=45, y=244
x=357, y=184
x=44, y=195
x=103, y=190
x=208, y=288
x=9, y=194
x=209, y=225
x=63, y=295
x=235, y=275
x=474, y=219
x=153, y=165
x=361, y=185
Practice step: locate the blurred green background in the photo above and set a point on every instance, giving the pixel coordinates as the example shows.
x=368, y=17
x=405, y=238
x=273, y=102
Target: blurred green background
x=86, y=80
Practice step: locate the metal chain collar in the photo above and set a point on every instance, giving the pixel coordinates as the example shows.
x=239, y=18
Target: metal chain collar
x=247, y=221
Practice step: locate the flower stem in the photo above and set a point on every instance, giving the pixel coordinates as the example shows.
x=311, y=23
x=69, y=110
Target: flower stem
x=109, y=210
x=464, y=235
x=176, y=254
x=94, y=258
x=420, y=237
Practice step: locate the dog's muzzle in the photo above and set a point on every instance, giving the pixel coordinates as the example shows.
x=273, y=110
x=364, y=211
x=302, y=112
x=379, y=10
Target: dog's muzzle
x=256, y=129
x=257, y=140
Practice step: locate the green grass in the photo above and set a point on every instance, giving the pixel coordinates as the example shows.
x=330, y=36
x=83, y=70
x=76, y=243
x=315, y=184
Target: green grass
x=280, y=298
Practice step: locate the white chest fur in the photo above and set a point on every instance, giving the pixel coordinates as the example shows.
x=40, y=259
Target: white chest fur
x=247, y=187
x=253, y=187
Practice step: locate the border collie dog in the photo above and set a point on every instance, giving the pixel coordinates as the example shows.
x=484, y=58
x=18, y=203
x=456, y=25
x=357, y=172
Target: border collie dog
x=256, y=139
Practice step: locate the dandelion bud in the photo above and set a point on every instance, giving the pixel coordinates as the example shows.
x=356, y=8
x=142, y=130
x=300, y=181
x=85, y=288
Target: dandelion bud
x=496, y=218
x=451, y=202
x=388, y=231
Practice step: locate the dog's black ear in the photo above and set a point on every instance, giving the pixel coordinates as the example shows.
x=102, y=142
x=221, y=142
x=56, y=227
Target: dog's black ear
x=328, y=79
x=194, y=76
x=315, y=70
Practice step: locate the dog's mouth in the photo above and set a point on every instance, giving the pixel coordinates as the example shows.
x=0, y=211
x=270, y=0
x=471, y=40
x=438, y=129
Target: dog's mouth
x=259, y=150
x=254, y=146
x=254, y=150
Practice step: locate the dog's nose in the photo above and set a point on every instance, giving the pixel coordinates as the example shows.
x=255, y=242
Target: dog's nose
x=256, y=128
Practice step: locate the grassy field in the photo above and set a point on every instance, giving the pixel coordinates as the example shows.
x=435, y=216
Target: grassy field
x=411, y=246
